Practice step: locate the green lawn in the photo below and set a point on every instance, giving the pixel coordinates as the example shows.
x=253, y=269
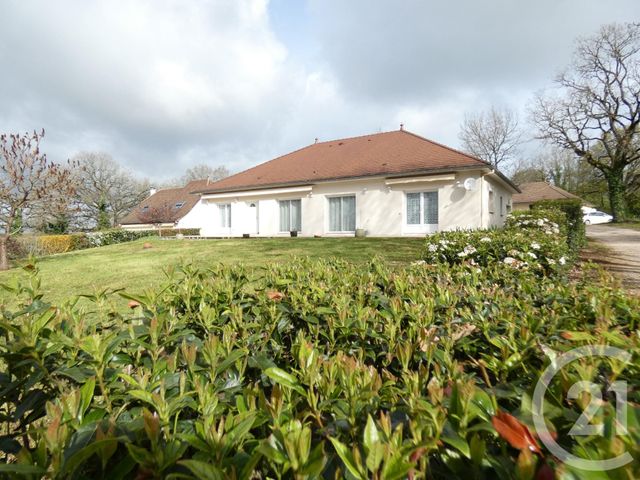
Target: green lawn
x=131, y=267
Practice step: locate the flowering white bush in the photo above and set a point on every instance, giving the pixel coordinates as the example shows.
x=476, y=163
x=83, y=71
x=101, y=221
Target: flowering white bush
x=532, y=241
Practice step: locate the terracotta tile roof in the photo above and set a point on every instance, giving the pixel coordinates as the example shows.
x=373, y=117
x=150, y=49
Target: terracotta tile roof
x=396, y=153
x=535, y=191
x=165, y=201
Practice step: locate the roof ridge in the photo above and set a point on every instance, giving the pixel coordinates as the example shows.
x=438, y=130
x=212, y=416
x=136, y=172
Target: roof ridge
x=448, y=148
x=356, y=136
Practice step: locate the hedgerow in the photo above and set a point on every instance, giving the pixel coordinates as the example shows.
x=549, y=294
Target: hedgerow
x=312, y=369
x=530, y=241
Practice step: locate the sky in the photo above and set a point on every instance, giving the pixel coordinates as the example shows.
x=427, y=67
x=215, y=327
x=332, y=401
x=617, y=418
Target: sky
x=162, y=85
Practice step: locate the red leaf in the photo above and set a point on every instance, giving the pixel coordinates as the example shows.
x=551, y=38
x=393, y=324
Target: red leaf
x=275, y=296
x=515, y=432
x=545, y=472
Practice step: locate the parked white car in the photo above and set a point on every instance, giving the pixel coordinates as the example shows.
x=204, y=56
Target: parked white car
x=596, y=216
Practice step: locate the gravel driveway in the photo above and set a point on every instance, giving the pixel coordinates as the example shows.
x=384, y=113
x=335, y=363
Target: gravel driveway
x=624, y=244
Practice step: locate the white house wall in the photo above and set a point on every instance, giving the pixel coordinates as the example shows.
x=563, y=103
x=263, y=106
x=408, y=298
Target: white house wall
x=380, y=208
x=494, y=217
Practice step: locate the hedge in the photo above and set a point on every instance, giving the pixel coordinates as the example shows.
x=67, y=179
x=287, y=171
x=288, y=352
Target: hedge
x=530, y=241
x=575, y=223
x=41, y=245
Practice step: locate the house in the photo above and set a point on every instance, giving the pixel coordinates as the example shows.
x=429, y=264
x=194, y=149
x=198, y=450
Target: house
x=386, y=184
x=535, y=191
x=166, y=208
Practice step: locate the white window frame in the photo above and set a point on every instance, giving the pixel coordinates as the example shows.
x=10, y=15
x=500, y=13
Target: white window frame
x=290, y=214
x=328, y=210
x=421, y=227
x=227, y=217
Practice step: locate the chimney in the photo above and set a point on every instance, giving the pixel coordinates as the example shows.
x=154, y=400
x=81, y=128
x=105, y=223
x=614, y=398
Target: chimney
x=316, y=140
x=152, y=191
x=401, y=127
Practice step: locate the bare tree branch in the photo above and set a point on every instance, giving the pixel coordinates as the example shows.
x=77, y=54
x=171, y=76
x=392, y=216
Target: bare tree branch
x=595, y=109
x=492, y=136
x=27, y=180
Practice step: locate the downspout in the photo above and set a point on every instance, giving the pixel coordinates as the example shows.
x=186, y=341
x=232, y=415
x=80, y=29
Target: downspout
x=482, y=205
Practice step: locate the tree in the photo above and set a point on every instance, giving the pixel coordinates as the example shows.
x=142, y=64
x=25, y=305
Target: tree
x=492, y=136
x=528, y=174
x=27, y=180
x=106, y=192
x=596, y=110
x=157, y=215
x=203, y=172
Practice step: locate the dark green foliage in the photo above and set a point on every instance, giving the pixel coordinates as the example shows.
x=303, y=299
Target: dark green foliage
x=575, y=224
x=309, y=369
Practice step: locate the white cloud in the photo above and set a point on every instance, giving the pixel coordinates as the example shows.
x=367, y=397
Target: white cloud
x=159, y=75
x=165, y=84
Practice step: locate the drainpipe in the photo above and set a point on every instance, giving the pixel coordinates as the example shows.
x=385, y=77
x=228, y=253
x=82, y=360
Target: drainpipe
x=482, y=205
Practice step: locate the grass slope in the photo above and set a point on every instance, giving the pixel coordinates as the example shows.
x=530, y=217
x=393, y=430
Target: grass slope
x=131, y=267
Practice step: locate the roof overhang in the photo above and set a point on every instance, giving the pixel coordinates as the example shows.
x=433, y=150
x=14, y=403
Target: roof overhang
x=503, y=180
x=256, y=193
x=308, y=183
x=429, y=178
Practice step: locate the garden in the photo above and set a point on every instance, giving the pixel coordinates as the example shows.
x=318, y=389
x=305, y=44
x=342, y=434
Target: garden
x=327, y=368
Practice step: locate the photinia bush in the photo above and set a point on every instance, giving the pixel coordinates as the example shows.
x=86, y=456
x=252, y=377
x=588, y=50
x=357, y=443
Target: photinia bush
x=312, y=369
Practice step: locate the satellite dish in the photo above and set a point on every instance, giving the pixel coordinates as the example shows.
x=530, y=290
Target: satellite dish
x=469, y=184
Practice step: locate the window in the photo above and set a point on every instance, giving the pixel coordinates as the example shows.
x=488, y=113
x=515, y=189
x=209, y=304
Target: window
x=501, y=206
x=422, y=208
x=342, y=214
x=179, y=205
x=225, y=215
x=492, y=202
x=290, y=215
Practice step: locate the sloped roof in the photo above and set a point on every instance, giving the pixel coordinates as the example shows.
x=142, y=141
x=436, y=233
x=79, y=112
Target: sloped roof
x=536, y=191
x=397, y=153
x=164, y=201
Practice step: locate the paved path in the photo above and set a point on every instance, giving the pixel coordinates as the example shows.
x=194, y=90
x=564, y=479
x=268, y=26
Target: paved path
x=624, y=260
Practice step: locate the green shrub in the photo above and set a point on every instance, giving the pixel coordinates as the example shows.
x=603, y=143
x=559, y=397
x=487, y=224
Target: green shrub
x=172, y=232
x=118, y=235
x=529, y=241
x=575, y=225
x=311, y=369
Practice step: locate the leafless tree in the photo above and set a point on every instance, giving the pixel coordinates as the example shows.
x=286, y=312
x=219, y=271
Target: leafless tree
x=106, y=192
x=595, y=110
x=27, y=179
x=492, y=136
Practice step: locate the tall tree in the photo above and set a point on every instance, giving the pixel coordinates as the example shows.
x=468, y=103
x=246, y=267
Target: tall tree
x=595, y=111
x=27, y=180
x=106, y=192
x=492, y=136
